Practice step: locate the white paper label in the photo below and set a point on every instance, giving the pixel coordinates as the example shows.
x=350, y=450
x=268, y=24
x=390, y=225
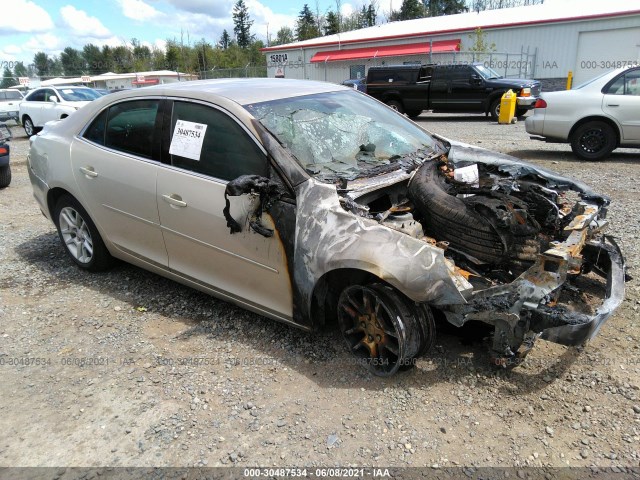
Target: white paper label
x=187, y=139
x=67, y=91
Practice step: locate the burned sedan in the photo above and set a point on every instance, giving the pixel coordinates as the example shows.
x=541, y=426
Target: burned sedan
x=308, y=202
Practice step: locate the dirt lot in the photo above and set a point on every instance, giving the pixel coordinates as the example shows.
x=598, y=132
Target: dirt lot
x=126, y=368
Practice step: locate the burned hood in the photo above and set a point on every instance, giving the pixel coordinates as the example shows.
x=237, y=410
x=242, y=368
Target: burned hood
x=461, y=155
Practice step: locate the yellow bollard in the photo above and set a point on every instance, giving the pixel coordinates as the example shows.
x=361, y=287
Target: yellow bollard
x=569, y=80
x=507, y=108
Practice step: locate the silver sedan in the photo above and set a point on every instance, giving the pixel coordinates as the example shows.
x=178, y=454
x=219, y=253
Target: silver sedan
x=316, y=205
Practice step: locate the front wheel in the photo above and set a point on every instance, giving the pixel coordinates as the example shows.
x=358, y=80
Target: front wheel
x=383, y=329
x=396, y=105
x=494, y=109
x=593, y=141
x=5, y=176
x=79, y=235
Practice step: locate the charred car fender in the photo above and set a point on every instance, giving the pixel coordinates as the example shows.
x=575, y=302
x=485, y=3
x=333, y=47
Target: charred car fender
x=328, y=237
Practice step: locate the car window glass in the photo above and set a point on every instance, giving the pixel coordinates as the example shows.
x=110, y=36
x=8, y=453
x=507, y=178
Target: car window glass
x=617, y=87
x=227, y=150
x=96, y=130
x=130, y=127
x=13, y=95
x=48, y=94
x=36, y=96
x=632, y=83
x=78, y=94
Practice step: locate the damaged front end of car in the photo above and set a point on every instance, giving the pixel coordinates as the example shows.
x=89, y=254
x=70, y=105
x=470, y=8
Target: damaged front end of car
x=530, y=242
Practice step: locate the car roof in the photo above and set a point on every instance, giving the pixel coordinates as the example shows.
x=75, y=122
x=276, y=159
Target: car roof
x=247, y=90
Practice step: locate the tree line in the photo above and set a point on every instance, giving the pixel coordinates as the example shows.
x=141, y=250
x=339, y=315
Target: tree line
x=237, y=49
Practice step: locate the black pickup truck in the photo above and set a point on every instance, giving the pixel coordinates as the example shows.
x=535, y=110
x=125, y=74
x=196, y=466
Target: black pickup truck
x=466, y=88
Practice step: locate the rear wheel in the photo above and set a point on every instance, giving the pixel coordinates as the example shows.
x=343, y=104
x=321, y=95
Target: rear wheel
x=5, y=176
x=385, y=330
x=79, y=235
x=413, y=113
x=521, y=112
x=593, y=141
x=396, y=105
x=29, y=129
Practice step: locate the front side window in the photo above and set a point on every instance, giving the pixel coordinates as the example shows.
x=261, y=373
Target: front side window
x=130, y=127
x=210, y=142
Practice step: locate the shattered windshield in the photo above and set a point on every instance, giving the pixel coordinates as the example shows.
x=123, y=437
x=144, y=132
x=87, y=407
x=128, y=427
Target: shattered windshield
x=344, y=135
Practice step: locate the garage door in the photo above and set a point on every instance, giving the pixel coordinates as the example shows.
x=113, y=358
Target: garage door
x=605, y=50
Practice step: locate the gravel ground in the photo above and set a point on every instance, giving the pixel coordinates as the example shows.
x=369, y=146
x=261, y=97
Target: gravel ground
x=136, y=370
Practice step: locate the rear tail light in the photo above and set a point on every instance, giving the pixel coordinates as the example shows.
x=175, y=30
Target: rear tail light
x=525, y=92
x=540, y=103
x=3, y=151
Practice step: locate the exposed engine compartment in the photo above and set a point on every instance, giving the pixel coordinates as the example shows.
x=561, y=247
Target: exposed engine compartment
x=525, y=238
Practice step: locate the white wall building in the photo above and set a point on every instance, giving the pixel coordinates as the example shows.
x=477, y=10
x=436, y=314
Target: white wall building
x=543, y=41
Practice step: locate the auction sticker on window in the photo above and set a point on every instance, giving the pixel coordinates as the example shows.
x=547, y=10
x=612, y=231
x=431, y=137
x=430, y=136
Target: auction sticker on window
x=187, y=139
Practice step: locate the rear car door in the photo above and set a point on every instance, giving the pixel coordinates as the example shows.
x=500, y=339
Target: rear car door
x=115, y=163
x=244, y=267
x=32, y=106
x=622, y=101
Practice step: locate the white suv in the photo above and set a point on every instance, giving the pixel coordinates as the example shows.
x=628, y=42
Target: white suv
x=52, y=103
x=9, y=102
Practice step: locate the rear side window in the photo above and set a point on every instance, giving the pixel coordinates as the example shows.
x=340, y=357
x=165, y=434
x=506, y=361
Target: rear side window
x=128, y=127
x=37, y=96
x=226, y=150
x=626, y=84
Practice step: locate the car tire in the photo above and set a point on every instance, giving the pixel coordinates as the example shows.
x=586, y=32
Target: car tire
x=413, y=113
x=494, y=109
x=396, y=105
x=385, y=330
x=79, y=235
x=29, y=128
x=5, y=176
x=593, y=141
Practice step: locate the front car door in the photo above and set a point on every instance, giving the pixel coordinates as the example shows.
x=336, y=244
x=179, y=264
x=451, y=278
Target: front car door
x=622, y=101
x=50, y=110
x=115, y=163
x=207, y=149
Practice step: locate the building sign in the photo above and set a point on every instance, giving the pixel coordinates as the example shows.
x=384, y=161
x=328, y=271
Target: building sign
x=279, y=58
x=23, y=80
x=279, y=72
x=85, y=78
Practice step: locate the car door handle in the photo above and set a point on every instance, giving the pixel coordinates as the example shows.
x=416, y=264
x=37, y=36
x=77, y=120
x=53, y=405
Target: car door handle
x=174, y=199
x=89, y=171
x=612, y=105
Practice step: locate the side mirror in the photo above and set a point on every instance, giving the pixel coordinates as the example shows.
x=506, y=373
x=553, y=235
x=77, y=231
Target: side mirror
x=476, y=79
x=246, y=184
x=53, y=99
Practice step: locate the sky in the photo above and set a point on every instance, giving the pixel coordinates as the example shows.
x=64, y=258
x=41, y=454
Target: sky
x=30, y=26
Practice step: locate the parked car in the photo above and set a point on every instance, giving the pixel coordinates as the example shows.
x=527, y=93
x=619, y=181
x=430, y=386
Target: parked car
x=308, y=202
x=357, y=83
x=5, y=153
x=9, y=101
x=471, y=88
x=52, y=103
x=595, y=118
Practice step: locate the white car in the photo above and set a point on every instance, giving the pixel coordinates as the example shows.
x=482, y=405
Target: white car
x=52, y=103
x=595, y=117
x=9, y=101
